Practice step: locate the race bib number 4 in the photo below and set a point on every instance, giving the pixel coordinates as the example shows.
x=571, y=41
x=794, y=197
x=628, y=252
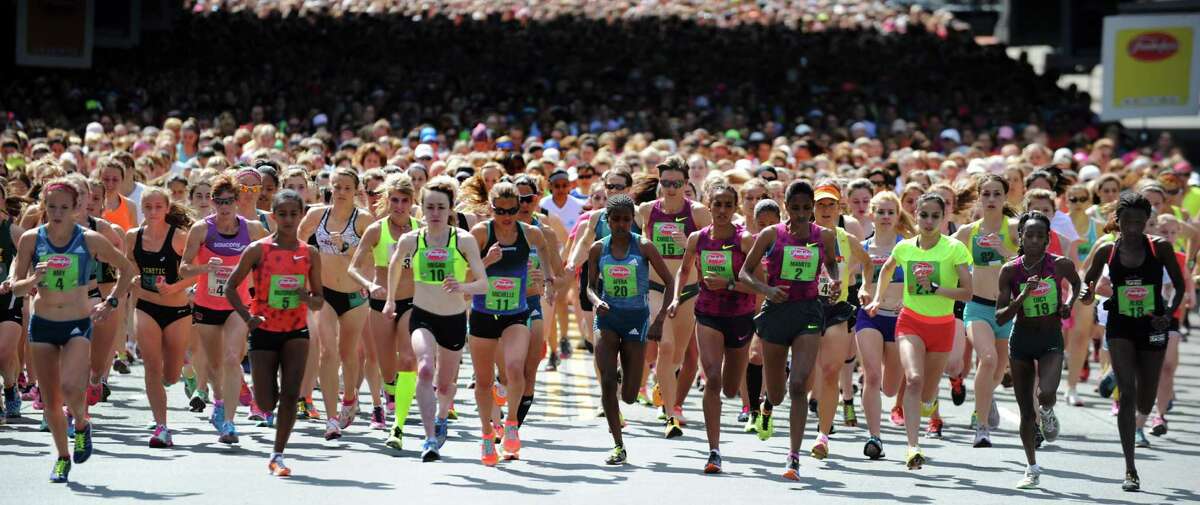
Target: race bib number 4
x=285, y=291
x=218, y=280
x=503, y=294
x=620, y=281
x=1042, y=299
x=800, y=263
x=1135, y=300
x=62, y=272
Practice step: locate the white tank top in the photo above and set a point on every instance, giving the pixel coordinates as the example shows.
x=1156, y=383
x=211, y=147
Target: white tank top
x=568, y=213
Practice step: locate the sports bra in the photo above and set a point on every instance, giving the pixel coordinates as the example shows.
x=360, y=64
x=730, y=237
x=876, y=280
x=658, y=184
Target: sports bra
x=163, y=263
x=324, y=242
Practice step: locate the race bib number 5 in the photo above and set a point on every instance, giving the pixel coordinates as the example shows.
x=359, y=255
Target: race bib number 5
x=285, y=291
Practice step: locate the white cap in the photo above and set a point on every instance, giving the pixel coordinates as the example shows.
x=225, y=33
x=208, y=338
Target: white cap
x=976, y=166
x=1088, y=172
x=67, y=156
x=899, y=125
x=803, y=129
x=552, y=155
x=1062, y=155
x=744, y=164
x=951, y=134
x=94, y=127
x=423, y=151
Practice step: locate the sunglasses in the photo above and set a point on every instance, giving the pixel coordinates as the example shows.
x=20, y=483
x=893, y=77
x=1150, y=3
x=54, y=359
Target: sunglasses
x=615, y=187
x=586, y=176
x=1175, y=191
x=375, y=194
x=1083, y=199
x=671, y=184
x=224, y=201
x=250, y=189
x=511, y=211
x=526, y=198
x=878, y=183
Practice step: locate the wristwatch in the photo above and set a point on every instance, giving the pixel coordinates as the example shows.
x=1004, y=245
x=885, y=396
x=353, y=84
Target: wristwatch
x=112, y=301
x=731, y=285
x=934, y=287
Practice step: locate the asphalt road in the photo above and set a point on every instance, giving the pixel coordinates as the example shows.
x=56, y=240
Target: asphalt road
x=564, y=448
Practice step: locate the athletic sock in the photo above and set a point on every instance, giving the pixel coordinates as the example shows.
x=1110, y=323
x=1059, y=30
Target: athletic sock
x=390, y=387
x=767, y=408
x=10, y=393
x=523, y=408
x=406, y=387
x=754, y=385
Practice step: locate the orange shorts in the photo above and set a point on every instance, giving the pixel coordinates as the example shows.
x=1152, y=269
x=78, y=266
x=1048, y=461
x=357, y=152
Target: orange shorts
x=936, y=332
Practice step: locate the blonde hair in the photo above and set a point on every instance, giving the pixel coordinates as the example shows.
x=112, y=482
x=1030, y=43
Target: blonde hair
x=443, y=184
x=906, y=226
x=1037, y=194
x=394, y=183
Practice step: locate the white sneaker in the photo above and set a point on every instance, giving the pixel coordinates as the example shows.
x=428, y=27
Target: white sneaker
x=1049, y=424
x=993, y=416
x=1073, y=399
x=347, y=415
x=1032, y=479
x=983, y=438
x=332, y=432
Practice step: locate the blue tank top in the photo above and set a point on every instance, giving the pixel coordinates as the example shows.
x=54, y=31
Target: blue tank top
x=67, y=267
x=602, y=229
x=506, y=278
x=878, y=261
x=624, y=282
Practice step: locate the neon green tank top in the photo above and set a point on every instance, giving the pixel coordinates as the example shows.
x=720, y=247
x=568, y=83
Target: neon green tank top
x=387, y=244
x=431, y=265
x=843, y=261
x=984, y=254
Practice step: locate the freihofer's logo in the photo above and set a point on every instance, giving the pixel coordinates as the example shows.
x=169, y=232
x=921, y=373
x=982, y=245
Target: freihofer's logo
x=618, y=271
x=802, y=254
x=1153, y=46
x=58, y=262
x=923, y=269
x=1041, y=289
x=289, y=282
x=1136, y=293
x=437, y=254
x=714, y=258
x=503, y=285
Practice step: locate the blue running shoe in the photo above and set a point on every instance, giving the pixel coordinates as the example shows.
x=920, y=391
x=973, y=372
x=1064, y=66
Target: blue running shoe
x=62, y=468
x=229, y=434
x=12, y=407
x=83, y=445
x=217, y=419
x=429, y=451
x=441, y=430
x=70, y=426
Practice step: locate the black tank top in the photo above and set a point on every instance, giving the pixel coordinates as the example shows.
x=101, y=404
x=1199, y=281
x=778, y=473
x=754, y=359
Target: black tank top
x=513, y=257
x=162, y=263
x=1137, y=291
x=104, y=273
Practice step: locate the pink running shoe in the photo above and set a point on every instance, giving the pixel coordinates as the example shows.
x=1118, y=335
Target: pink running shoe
x=37, y=398
x=245, y=397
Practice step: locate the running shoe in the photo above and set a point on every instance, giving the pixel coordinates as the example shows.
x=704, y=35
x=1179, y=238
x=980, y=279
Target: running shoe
x=36, y=397
x=512, y=441
x=229, y=434
x=644, y=397
x=617, y=456
x=12, y=407
x=378, y=418
x=744, y=415
x=656, y=395
x=452, y=414
x=673, y=429
x=766, y=426
x=256, y=414
x=310, y=409
x=678, y=412
x=982, y=438
x=564, y=349
x=268, y=421
x=161, y=438
x=332, y=431
x=395, y=438
x=873, y=448
x=3, y=416
x=347, y=414
x=915, y=458
x=1073, y=398
x=1158, y=427
x=245, y=397
x=820, y=450
x=498, y=432
x=714, y=462
x=488, y=448
x=1132, y=482
x=189, y=386
x=935, y=428
x=199, y=400
x=751, y=422
x=62, y=468
x=1038, y=437
x=277, y=468
x=429, y=451
x=1006, y=381
x=441, y=430
x=994, y=415
x=44, y=427
x=301, y=412
x=27, y=392
x=898, y=416
x=93, y=394
x=1140, y=440
x=105, y=391
x=927, y=409
x=791, y=469
x=1116, y=408
x=1049, y=424
x=849, y=416
x=83, y=445
x=70, y=422
x=812, y=406
x=958, y=390
x=217, y=419
x=390, y=400
x=1032, y=479
x=1085, y=373
x=120, y=366
x=1107, y=384
x=551, y=363
x=499, y=394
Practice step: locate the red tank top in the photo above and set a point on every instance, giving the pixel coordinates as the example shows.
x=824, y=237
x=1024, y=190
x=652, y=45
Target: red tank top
x=279, y=277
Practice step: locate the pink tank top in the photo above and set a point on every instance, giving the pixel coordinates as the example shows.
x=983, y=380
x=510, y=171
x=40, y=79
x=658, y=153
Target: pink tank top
x=722, y=258
x=210, y=288
x=795, y=264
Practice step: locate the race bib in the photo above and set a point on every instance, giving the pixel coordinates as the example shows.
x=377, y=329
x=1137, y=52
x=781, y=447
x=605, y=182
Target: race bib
x=1042, y=299
x=920, y=270
x=800, y=263
x=877, y=263
x=663, y=239
x=503, y=294
x=1135, y=300
x=717, y=263
x=620, y=281
x=285, y=291
x=983, y=251
x=218, y=280
x=62, y=272
x=434, y=266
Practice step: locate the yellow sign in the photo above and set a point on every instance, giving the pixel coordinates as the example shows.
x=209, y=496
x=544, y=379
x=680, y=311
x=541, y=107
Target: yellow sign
x=1150, y=66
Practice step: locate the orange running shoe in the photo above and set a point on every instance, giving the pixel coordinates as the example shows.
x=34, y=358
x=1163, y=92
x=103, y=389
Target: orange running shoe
x=512, y=441
x=277, y=468
x=489, y=458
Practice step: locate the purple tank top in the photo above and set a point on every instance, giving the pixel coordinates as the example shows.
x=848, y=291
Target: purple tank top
x=226, y=246
x=723, y=258
x=795, y=264
x=661, y=225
